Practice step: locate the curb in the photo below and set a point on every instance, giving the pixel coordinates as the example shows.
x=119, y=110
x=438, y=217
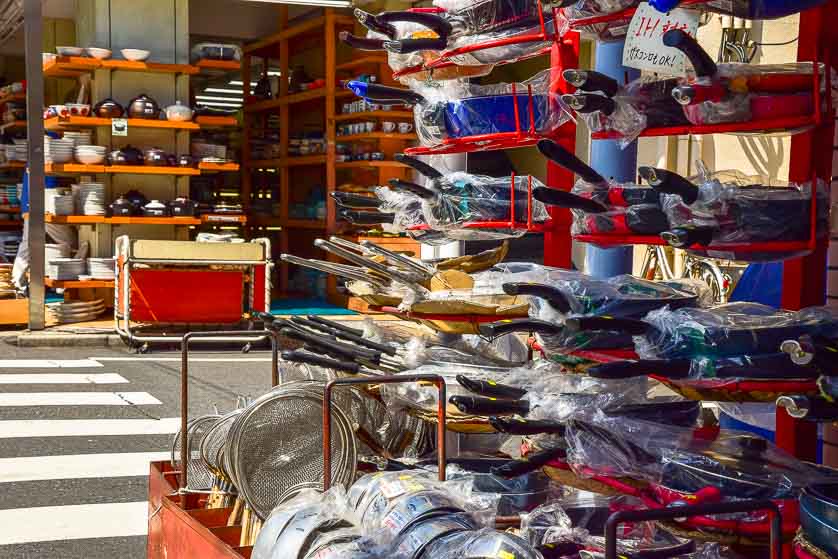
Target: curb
x=66, y=340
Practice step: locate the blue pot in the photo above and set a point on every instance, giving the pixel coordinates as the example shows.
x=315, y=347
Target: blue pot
x=819, y=516
x=752, y=9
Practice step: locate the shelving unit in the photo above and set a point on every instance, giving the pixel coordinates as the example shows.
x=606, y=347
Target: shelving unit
x=141, y=220
x=60, y=124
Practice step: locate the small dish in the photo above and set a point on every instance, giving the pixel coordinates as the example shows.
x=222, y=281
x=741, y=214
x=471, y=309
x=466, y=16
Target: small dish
x=135, y=55
x=69, y=51
x=99, y=53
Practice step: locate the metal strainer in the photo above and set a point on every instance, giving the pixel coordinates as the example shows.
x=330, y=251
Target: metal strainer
x=211, y=448
x=276, y=445
x=200, y=477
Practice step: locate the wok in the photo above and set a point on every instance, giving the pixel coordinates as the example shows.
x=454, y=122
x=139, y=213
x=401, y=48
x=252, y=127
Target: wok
x=819, y=516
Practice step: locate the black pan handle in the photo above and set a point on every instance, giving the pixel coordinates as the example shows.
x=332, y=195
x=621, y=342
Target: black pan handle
x=349, y=200
x=685, y=237
x=552, y=295
x=590, y=103
x=588, y=80
x=476, y=405
x=669, y=368
x=331, y=346
x=525, y=427
x=361, y=43
x=682, y=413
x=559, y=155
x=265, y=317
x=592, y=323
x=297, y=356
x=413, y=188
x=564, y=199
x=490, y=388
x=358, y=340
x=496, y=329
x=375, y=24
x=407, y=46
x=421, y=166
x=367, y=218
x=335, y=325
x=434, y=22
x=384, y=93
x=670, y=183
x=702, y=62
x=535, y=461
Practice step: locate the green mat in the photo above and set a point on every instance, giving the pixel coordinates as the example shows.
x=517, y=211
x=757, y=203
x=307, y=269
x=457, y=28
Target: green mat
x=307, y=306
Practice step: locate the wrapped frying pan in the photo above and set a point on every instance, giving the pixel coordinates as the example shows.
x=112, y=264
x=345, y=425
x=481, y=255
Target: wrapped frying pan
x=747, y=9
x=729, y=330
x=731, y=208
x=460, y=110
x=575, y=10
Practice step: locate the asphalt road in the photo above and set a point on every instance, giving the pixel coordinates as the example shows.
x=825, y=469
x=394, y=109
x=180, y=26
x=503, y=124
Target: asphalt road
x=77, y=429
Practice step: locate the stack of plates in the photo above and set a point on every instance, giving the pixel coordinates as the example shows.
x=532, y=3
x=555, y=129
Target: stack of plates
x=58, y=202
x=9, y=243
x=58, y=150
x=90, y=155
x=91, y=198
x=76, y=311
x=53, y=252
x=80, y=138
x=8, y=195
x=7, y=288
x=66, y=268
x=100, y=268
x=21, y=151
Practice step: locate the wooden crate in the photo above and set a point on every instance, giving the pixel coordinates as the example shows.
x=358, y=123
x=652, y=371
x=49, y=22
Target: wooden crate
x=14, y=312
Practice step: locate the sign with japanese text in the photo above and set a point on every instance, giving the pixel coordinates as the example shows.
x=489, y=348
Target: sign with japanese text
x=644, y=48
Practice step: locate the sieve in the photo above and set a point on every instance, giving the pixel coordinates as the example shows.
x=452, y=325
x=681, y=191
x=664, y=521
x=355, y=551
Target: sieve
x=200, y=477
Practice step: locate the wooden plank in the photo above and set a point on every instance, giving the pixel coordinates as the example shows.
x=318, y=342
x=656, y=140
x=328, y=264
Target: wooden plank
x=9, y=209
x=150, y=67
x=377, y=136
x=218, y=167
x=78, y=284
x=285, y=34
x=305, y=224
x=151, y=170
x=370, y=60
x=56, y=168
x=216, y=121
x=301, y=97
x=57, y=123
x=298, y=161
x=370, y=164
x=141, y=220
x=75, y=219
x=223, y=218
x=230, y=65
x=14, y=311
x=382, y=115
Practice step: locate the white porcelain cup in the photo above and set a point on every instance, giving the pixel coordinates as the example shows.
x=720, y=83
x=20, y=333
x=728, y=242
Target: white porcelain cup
x=405, y=127
x=388, y=126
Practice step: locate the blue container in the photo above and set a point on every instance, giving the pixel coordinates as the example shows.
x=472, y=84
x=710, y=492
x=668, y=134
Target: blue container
x=752, y=9
x=495, y=114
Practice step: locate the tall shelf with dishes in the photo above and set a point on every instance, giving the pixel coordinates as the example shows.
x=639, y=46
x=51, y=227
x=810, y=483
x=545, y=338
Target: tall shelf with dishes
x=12, y=164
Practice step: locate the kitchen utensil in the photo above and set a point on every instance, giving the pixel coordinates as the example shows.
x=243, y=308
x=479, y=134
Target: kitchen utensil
x=143, y=106
x=183, y=207
x=748, y=9
x=69, y=51
x=156, y=208
x=99, y=53
x=179, y=112
x=128, y=155
x=108, y=108
x=155, y=157
x=819, y=516
x=135, y=55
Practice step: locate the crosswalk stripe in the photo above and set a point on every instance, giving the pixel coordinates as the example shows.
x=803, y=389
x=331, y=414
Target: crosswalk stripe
x=48, y=363
x=16, y=399
x=191, y=359
x=77, y=466
x=61, y=378
x=73, y=522
x=22, y=428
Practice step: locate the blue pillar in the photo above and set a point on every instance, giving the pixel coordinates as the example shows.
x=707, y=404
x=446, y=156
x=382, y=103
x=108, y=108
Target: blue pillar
x=612, y=162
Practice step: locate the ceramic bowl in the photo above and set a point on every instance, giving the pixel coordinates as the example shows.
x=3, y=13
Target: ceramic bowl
x=135, y=55
x=78, y=109
x=69, y=51
x=100, y=54
x=48, y=57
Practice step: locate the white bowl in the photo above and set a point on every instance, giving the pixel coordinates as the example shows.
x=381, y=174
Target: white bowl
x=90, y=158
x=135, y=55
x=69, y=51
x=98, y=53
x=48, y=57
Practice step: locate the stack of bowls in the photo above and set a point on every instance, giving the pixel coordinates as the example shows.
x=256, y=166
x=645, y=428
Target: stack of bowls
x=100, y=268
x=79, y=137
x=77, y=311
x=21, y=151
x=91, y=198
x=66, y=268
x=90, y=155
x=58, y=150
x=58, y=202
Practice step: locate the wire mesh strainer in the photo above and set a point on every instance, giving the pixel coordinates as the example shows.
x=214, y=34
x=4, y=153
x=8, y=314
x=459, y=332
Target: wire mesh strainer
x=276, y=445
x=200, y=477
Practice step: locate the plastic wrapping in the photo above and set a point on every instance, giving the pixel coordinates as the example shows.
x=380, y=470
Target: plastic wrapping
x=730, y=464
x=642, y=219
x=748, y=9
x=729, y=330
x=605, y=31
x=479, y=544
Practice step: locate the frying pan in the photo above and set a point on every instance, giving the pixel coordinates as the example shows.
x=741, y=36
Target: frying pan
x=480, y=544
x=738, y=213
x=819, y=516
x=728, y=330
x=574, y=10
x=748, y=9
x=473, y=115
x=594, y=186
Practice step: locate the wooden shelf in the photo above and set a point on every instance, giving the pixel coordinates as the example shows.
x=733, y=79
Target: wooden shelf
x=356, y=164
x=297, y=161
x=216, y=121
x=56, y=168
x=302, y=97
x=223, y=218
x=78, y=284
x=377, y=136
x=11, y=223
x=13, y=125
x=227, y=65
x=58, y=123
x=371, y=60
x=75, y=219
x=151, y=170
x=13, y=165
x=74, y=66
x=218, y=167
x=383, y=115
x=267, y=220
x=9, y=209
x=303, y=28
x=141, y=220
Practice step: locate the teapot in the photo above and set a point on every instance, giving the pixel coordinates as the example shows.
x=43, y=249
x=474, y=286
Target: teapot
x=143, y=106
x=128, y=155
x=179, y=112
x=108, y=108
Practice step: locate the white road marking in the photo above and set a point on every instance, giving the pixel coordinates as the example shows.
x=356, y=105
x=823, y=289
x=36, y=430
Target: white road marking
x=47, y=363
x=20, y=428
x=77, y=466
x=73, y=522
x=13, y=399
x=191, y=359
x=62, y=378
